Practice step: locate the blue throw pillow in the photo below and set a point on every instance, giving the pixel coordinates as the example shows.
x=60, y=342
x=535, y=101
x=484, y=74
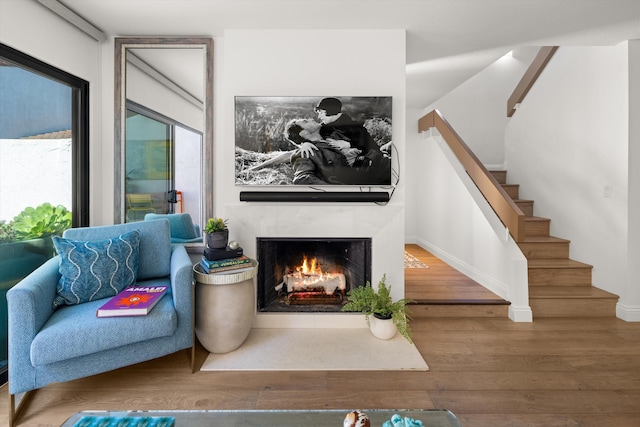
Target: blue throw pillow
x=96, y=269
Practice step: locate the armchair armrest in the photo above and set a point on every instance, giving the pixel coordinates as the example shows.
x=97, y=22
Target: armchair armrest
x=30, y=304
x=182, y=281
x=30, y=301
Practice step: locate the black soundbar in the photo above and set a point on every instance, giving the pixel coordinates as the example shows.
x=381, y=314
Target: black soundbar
x=311, y=196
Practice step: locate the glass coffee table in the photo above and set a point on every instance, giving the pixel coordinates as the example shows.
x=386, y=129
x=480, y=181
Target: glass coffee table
x=280, y=418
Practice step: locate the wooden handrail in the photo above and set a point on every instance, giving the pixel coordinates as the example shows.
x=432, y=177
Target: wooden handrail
x=529, y=78
x=506, y=209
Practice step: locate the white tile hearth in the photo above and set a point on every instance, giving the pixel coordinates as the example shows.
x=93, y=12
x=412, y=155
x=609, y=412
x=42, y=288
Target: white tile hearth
x=318, y=350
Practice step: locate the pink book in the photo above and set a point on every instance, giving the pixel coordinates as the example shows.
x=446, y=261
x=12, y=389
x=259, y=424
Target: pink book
x=133, y=301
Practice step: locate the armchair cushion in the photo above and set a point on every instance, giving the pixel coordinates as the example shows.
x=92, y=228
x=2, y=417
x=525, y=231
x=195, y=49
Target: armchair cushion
x=64, y=337
x=96, y=269
x=183, y=230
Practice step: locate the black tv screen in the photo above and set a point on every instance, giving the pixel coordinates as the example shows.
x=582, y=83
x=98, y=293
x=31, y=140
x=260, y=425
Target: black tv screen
x=313, y=141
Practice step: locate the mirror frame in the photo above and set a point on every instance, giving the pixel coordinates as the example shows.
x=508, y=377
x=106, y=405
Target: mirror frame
x=121, y=46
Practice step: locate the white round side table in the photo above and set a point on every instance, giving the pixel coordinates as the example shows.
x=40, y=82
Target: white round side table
x=225, y=306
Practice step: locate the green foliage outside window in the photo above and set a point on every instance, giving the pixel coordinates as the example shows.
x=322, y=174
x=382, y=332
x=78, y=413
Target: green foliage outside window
x=32, y=223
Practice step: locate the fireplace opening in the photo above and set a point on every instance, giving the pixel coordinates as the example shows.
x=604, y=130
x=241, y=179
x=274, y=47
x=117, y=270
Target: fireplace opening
x=310, y=274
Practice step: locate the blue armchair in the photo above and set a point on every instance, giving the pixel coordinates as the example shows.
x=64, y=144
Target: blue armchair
x=48, y=344
x=183, y=230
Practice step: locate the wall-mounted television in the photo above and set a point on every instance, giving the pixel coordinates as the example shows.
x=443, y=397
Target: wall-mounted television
x=313, y=141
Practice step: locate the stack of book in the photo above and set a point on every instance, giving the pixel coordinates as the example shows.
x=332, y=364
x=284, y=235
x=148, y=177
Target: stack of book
x=224, y=261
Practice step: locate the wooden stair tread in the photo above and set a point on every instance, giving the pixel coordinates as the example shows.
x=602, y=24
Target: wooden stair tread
x=458, y=301
x=536, y=218
x=573, y=292
x=445, y=290
x=544, y=239
x=513, y=186
x=556, y=263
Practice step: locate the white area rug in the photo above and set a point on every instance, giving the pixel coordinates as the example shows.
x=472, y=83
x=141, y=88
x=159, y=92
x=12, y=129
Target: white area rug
x=285, y=349
x=412, y=262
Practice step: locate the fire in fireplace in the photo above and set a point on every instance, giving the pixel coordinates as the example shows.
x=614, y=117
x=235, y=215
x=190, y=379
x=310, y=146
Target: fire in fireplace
x=310, y=274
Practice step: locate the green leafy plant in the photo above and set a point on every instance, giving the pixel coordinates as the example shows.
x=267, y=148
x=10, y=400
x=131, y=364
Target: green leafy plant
x=371, y=302
x=215, y=224
x=6, y=231
x=42, y=221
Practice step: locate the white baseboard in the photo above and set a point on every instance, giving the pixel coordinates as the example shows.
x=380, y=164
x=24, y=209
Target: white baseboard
x=466, y=269
x=628, y=313
x=520, y=314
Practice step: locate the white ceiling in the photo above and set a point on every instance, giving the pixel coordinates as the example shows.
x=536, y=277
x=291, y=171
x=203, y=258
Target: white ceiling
x=448, y=41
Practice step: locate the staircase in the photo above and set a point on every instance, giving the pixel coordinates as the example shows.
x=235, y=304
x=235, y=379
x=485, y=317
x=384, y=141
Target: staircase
x=558, y=285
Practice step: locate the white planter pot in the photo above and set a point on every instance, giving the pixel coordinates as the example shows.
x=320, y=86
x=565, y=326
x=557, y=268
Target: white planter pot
x=383, y=329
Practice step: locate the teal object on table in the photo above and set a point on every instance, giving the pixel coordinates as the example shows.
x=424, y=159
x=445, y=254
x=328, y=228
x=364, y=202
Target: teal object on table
x=97, y=421
x=397, y=421
x=280, y=418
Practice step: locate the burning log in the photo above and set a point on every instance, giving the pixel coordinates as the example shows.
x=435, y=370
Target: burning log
x=303, y=282
x=312, y=297
x=308, y=284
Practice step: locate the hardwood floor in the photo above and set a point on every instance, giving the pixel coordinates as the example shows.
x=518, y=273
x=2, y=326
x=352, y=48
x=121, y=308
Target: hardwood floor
x=489, y=371
x=442, y=291
x=441, y=284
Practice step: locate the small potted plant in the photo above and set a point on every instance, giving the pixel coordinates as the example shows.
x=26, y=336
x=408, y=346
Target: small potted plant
x=217, y=233
x=387, y=316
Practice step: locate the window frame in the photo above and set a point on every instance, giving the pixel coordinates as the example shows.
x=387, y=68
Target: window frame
x=79, y=127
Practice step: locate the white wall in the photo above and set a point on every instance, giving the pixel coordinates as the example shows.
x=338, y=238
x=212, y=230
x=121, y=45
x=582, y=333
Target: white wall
x=49, y=161
x=67, y=48
x=152, y=94
x=411, y=167
x=477, y=109
x=287, y=63
x=567, y=141
x=457, y=225
x=629, y=308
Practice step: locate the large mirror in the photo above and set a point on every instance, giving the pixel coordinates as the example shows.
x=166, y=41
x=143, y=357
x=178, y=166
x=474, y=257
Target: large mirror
x=164, y=129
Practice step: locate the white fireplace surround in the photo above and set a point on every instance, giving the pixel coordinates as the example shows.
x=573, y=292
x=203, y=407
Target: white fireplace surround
x=383, y=224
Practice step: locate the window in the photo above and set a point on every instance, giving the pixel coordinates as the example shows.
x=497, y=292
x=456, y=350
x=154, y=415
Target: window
x=162, y=167
x=44, y=167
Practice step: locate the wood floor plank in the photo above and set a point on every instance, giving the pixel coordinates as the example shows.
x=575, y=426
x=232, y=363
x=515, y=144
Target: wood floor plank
x=548, y=420
x=472, y=363
x=536, y=402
